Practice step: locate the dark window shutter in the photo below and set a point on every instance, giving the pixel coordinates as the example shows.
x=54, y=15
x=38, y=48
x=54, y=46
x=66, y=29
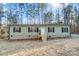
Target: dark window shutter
x=37, y=29
x=28, y=29
x=14, y=29
x=48, y=29
x=53, y=29
x=19, y=29
x=62, y=29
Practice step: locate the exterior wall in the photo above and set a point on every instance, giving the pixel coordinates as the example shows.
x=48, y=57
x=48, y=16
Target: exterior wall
x=25, y=34
x=58, y=32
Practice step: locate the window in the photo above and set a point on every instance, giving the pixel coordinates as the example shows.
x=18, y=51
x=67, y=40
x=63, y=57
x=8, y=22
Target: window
x=50, y=29
x=17, y=29
x=36, y=29
x=65, y=29
x=30, y=29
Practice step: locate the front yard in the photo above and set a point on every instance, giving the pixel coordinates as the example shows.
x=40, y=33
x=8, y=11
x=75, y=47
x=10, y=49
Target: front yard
x=53, y=47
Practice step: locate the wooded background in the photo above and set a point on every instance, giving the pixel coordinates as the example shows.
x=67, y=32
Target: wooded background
x=40, y=13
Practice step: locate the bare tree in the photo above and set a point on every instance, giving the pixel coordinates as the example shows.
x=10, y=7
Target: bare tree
x=58, y=16
x=21, y=5
x=1, y=13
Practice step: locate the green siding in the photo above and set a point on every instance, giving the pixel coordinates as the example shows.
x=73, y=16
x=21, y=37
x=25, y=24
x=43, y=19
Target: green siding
x=24, y=31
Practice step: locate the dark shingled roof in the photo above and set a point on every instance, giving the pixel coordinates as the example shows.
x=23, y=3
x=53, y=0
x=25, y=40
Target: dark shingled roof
x=38, y=25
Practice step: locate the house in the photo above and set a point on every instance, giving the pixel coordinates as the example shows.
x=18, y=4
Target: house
x=43, y=31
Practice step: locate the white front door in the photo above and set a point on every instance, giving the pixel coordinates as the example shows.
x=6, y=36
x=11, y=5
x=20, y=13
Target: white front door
x=43, y=33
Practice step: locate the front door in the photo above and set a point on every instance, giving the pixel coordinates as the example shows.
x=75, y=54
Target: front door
x=43, y=33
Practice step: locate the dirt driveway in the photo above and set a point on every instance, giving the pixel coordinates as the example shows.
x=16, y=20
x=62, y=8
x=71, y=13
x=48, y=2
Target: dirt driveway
x=53, y=47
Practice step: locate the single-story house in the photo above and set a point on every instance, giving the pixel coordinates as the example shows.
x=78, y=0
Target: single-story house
x=43, y=31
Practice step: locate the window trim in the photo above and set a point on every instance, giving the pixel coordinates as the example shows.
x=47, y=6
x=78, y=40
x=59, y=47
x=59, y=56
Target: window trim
x=36, y=29
x=15, y=29
x=33, y=29
x=30, y=29
x=66, y=29
x=51, y=29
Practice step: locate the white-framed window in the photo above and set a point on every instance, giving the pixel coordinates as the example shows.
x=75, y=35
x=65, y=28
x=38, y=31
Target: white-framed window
x=36, y=29
x=64, y=29
x=33, y=29
x=16, y=29
x=30, y=29
x=51, y=29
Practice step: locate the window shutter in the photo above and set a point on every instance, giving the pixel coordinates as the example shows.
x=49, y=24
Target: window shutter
x=62, y=29
x=53, y=29
x=48, y=29
x=19, y=29
x=37, y=29
x=66, y=29
x=14, y=29
x=28, y=29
